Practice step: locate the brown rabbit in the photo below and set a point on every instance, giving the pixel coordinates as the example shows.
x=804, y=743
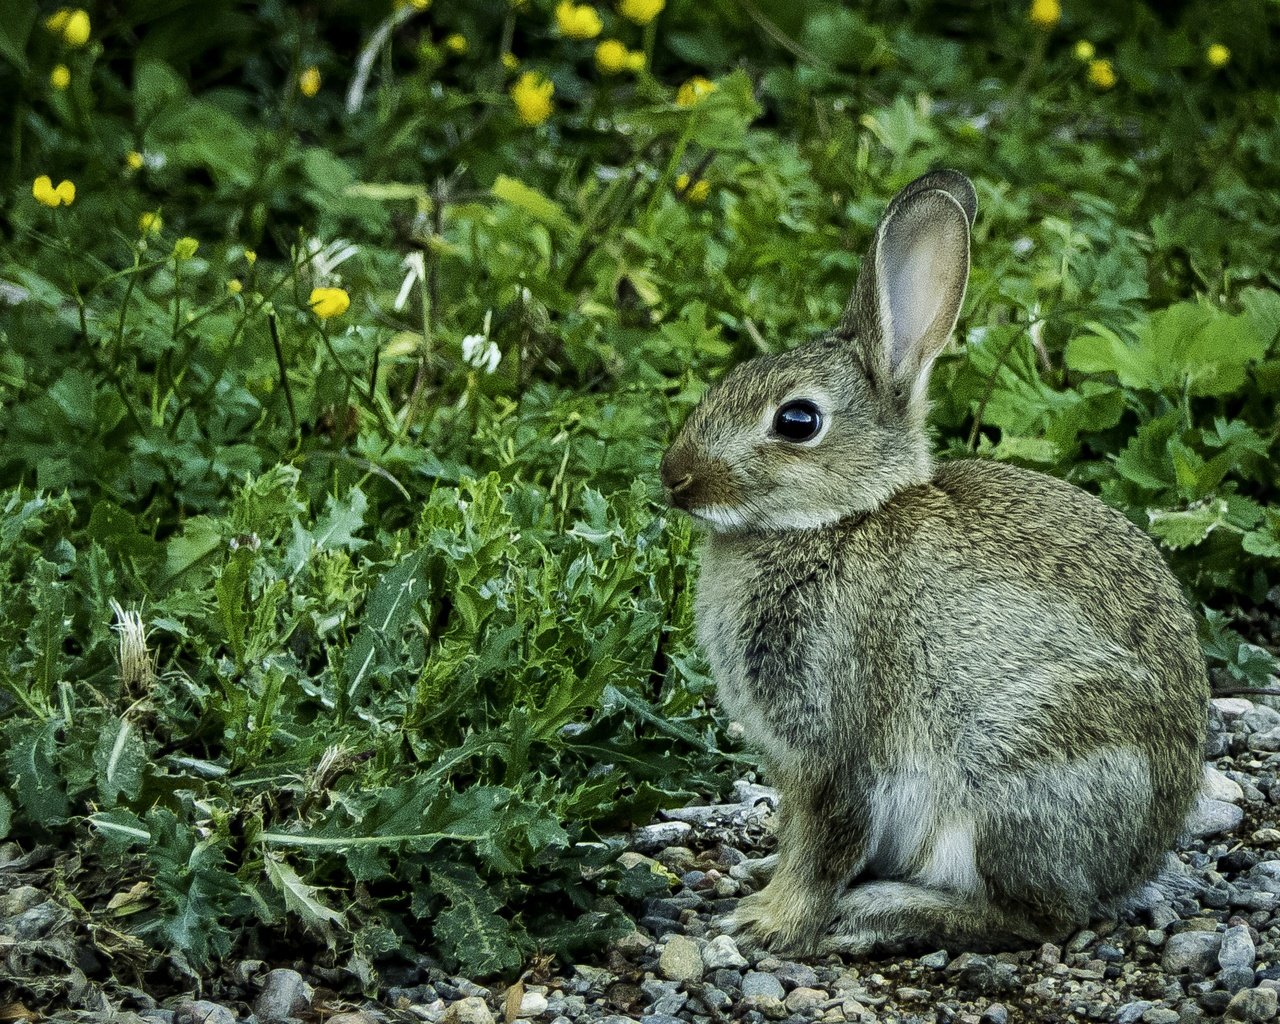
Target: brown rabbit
x=978, y=688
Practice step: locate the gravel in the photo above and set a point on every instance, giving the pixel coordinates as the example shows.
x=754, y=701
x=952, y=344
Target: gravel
x=1203, y=946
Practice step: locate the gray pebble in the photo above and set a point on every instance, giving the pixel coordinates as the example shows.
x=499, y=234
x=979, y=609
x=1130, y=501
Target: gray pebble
x=680, y=959
x=284, y=994
x=756, y=984
x=1191, y=951
x=936, y=960
x=1131, y=1013
x=201, y=1011
x=1237, y=948
x=996, y=1013
x=795, y=975
x=471, y=1010
x=1160, y=1015
x=722, y=951
x=1212, y=817
x=1255, y=1005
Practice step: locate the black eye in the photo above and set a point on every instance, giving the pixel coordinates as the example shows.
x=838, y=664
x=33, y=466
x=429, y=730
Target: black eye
x=798, y=421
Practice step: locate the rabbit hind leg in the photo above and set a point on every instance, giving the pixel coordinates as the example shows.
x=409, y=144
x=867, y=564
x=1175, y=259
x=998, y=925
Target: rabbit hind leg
x=892, y=914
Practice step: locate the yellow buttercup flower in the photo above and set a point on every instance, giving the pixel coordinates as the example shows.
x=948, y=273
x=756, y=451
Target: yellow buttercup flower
x=578, y=21
x=1084, y=50
x=635, y=61
x=234, y=286
x=57, y=21
x=1045, y=13
x=76, y=30
x=250, y=257
x=150, y=223
x=1102, y=74
x=309, y=81
x=133, y=160
x=611, y=56
x=60, y=77
x=1218, y=56
x=184, y=248
x=456, y=43
x=47, y=195
x=641, y=11
x=696, y=192
x=510, y=61
x=532, y=94
x=694, y=90
x=329, y=302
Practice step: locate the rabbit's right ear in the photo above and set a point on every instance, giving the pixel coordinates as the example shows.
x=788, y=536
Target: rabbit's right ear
x=912, y=283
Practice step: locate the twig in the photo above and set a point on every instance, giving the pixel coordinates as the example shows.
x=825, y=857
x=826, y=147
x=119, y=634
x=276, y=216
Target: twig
x=284, y=374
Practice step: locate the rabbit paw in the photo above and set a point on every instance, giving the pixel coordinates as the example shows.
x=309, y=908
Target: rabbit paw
x=857, y=943
x=775, y=919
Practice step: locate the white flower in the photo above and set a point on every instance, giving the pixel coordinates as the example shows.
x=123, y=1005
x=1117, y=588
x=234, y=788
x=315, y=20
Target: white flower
x=417, y=271
x=136, y=664
x=479, y=351
x=325, y=259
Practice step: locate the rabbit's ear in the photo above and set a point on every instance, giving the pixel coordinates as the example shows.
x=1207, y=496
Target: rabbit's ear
x=909, y=292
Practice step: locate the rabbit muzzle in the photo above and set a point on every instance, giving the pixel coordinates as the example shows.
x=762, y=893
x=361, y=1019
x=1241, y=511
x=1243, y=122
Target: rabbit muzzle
x=692, y=482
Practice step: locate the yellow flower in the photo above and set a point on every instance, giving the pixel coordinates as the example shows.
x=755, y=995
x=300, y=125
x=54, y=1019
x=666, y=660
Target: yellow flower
x=1045, y=13
x=250, y=257
x=184, y=248
x=641, y=11
x=329, y=302
x=1102, y=74
x=57, y=21
x=309, y=81
x=635, y=61
x=44, y=192
x=694, y=90
x=150, y=222
x=695, y=193
x=456, y=43
x=532, y=94
x=1217, y=55
x=60, y=77
x=1084, y=50
x=611, y=57
x=133, y=160
x=578, y=21
x=417, y=5
x=76, y=29
x=510, y=61
x=234, y=286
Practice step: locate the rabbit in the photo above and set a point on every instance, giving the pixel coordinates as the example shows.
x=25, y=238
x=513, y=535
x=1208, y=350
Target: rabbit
x=977, y=688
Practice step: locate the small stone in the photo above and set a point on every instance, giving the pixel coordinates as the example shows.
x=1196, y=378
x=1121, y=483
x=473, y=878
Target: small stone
x=1259, y=718
x=1131, y=1013
x=1218, y=787
x=1195, y=952
x=937, y=960
x=770, y=1006
x=1267, y=836
x=1049, y=955
x=794, y=975
x=532, y=1004
x=1160, y=1015
x=996, y=1013
x=353, y=1017
x=284, y=994
x=1255, y=1005
x=1081, y=941
x=801, y=999
x=659, y=836
x=469, y=1010
x=680, y=959
x=722, y=951
x=1212, y=817
x=1268, y=740
x=1231, y=707
x=983, y=973
x=913, y=994
x=201, y=1011
x=756, y=984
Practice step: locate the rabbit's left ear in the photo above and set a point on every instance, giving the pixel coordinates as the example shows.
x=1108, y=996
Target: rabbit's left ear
x=912, y=283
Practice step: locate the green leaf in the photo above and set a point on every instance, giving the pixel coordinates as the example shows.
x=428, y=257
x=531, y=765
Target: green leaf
x=469, y=930
x=232, y=593
x=1187, y=527
x=301, y=899
x=120, y=760
x=390, y=608
x=6, y=816
x=17, y=18
x=33, y=776
x=48, y=630
x=540, y=207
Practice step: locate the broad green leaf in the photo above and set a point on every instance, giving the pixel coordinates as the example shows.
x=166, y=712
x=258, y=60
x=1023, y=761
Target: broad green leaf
x=33, y=776
x=531, y=201
x=120, y=761
x=1187, y=527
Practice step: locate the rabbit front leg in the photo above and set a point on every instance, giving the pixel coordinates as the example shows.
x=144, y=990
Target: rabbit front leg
x=821, y=847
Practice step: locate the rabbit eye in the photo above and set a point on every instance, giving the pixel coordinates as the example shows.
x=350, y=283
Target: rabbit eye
x=798, y=421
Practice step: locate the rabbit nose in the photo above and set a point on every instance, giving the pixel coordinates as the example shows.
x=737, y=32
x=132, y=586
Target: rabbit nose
x=674, y=487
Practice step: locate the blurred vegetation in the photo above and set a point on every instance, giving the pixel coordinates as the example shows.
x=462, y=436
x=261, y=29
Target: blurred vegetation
x=417, y=630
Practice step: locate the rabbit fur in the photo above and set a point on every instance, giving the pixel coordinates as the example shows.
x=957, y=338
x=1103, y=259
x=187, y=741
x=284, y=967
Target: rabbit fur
x=977, y=688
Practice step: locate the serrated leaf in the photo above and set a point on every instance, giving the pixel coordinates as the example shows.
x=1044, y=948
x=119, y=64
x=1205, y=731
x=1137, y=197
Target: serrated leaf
x=469, y=930
x=389, y=609
x=120, y=760
x=6, y=816
x=33, y=776
x=1187, y=527
x=302, y=899
x=231, y=589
